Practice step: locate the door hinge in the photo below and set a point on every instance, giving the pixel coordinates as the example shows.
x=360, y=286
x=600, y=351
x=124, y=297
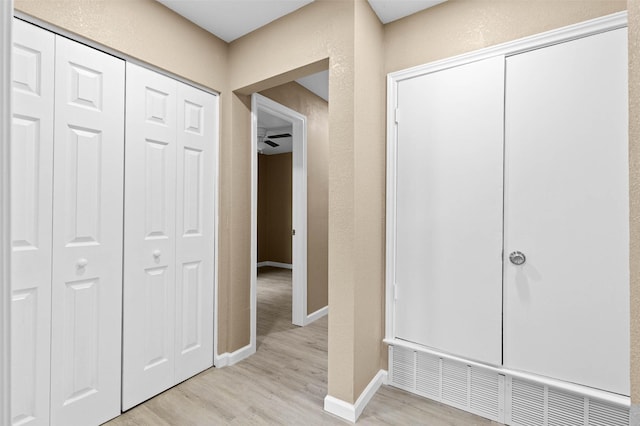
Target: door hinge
x=293, y=232
x=397, y=115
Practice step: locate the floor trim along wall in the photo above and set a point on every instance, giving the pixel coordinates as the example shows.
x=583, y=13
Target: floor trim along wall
x=316, y=315
x=229, y=358
x=351, y=412
x=275, y=264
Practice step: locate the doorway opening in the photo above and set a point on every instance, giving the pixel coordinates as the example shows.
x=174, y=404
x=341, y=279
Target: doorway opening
x=280, y=131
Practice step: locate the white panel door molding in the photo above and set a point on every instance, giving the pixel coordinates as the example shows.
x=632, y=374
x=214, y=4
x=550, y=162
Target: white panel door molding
x=566, y=208
x=149, y=263
x=87, y=235
x=31, y=212
x=448, y=232
x=195, y=231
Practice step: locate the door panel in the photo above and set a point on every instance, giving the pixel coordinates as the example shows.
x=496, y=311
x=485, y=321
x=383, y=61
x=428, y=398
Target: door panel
x=87, y=235
x=31, y=211
x=566, y=309
x=449, y=210
x=197, y=112
x=149, y=266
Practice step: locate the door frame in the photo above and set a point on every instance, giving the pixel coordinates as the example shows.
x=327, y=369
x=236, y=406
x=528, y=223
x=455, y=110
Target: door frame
x=298, y=121
x=6, y=26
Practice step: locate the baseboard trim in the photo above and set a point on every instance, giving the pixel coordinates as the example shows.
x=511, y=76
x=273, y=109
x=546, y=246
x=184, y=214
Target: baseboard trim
x=351, y=412
x=275, y=264
x=316, y=315
x=227, y=359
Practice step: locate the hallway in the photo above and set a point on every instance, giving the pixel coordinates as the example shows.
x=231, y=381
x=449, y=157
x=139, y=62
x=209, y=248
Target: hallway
x=284, y=383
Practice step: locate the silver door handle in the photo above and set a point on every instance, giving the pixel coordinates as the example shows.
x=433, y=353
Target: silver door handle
x=517, y=258
x=82, y=262
x=156, y=253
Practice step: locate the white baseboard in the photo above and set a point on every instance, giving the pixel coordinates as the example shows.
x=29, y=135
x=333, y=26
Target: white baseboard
x=275, y=264
x=227, y=359
x=316, y=315
x=351, y=412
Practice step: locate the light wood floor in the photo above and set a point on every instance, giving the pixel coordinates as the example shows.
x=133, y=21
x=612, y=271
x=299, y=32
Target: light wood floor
x=284, y=383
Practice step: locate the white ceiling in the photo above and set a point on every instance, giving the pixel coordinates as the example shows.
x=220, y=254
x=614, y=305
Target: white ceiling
x=271, y=125
x=231, y=19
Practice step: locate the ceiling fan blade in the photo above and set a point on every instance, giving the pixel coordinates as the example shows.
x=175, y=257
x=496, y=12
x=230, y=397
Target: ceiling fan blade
x=281, y=135
x=272, y=144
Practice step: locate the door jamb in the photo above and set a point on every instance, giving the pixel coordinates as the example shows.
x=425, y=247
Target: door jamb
x=299, y=289
x=6, y=25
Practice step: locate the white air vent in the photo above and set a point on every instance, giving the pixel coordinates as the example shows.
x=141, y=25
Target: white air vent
x=495, y=394
x=485, y=393
x=564, y=409
x=527, y=403
x=603, y=414
x=454, y=383
x=402, y=374
x=428, y=375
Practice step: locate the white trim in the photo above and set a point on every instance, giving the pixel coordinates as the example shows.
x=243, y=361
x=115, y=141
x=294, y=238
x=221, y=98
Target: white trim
x=228, y=359
x=299, y=288
x=351, y=412
x=611, y=398
x=6, y=26
x=101, y=47
x=316, y=315
x=560, y=35
x=275, y=264
x=216, y=224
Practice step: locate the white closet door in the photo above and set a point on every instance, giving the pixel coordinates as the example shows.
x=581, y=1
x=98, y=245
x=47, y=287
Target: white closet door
x=31, y=210
x=566, y=308
x=197, y=119
x=87, y=235
x=449, y=210
x=149, y=265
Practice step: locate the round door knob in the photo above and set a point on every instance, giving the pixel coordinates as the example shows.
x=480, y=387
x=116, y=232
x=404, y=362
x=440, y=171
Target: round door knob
x=82, y=262
x=517, y=258
x=156, y=253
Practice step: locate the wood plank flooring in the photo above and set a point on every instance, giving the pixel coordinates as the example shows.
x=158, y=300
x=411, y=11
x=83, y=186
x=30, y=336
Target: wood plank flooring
x=284, y=383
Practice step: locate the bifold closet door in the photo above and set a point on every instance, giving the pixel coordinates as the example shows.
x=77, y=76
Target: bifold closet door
x=149, y=264
x=197, y=117
x=566, y=208
x=169, y=225
x=87, y=235
x=449, y=210
x=31, y=211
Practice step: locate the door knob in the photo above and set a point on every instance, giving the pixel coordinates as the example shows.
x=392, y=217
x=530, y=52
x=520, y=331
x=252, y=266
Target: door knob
x=156, y=253
x=517, y=258
x=82, y=262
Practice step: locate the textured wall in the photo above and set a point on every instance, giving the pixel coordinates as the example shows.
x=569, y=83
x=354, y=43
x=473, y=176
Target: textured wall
x=316, y=109
x=274, y=207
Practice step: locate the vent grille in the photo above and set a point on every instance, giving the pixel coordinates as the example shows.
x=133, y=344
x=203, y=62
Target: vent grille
x=564, y=409
x=603, y=414
x=454, y=383
x=403, y=368
x=428, y=375
x=527, y=403
x=485, y=393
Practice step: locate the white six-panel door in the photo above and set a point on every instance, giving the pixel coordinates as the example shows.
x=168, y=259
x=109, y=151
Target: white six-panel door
x=449, y=210
x=566, y=208
x=197, y=112
x=150, y=216
x=87, y=235
x=31, y=211
x=169, y=220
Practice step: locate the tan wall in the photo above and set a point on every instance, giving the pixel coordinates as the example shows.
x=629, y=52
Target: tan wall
x=275, y=198
x=634, y=188
x=316, y=109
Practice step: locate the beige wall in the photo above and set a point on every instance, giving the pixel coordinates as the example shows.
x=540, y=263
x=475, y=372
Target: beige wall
x=316, y=109
x=274, y=207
